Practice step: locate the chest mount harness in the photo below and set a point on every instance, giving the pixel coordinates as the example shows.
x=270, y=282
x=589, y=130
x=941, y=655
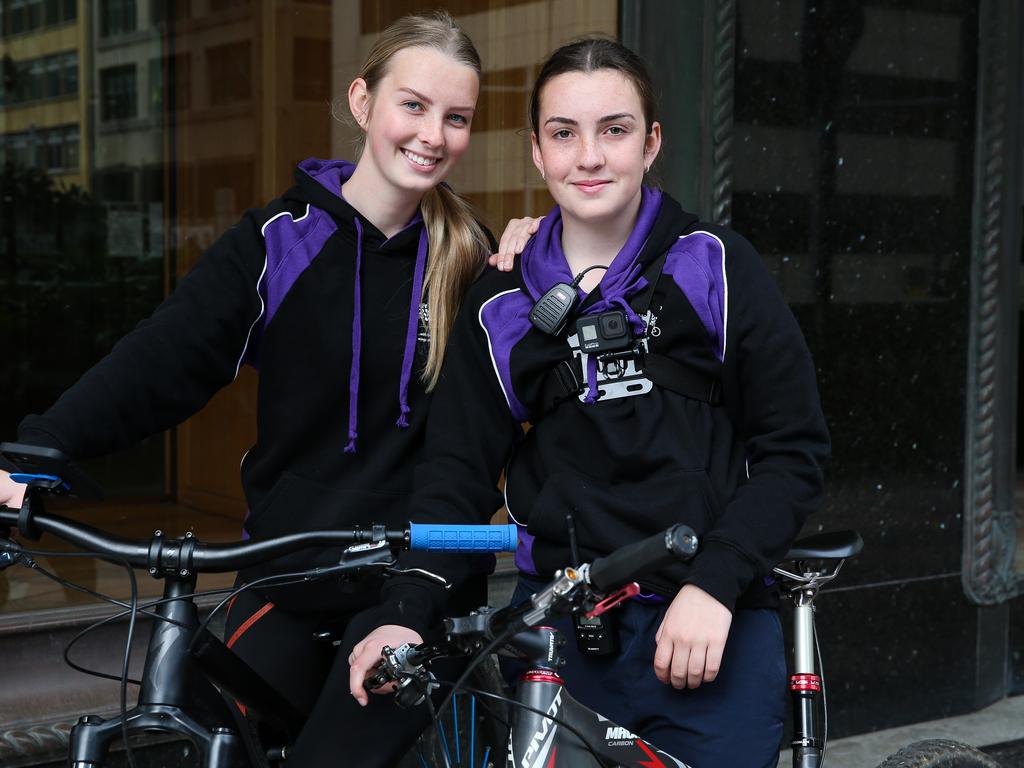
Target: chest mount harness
x=625, y=365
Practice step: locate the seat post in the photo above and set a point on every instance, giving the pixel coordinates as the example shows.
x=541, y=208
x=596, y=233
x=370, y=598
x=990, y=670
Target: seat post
x=805, y=684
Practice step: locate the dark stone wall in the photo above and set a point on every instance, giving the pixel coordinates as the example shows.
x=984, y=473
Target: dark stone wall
x=854, y=145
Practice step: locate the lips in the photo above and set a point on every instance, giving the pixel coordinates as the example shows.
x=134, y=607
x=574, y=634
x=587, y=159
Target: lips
x=591, y=185
x=420, y=160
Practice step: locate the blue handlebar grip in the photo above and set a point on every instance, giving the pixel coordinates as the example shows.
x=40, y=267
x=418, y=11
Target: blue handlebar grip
x=26, y=478
x=463, y=538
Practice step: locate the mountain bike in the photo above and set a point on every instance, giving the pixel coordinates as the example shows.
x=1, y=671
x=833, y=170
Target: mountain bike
x=548, y=728
x=191, y=680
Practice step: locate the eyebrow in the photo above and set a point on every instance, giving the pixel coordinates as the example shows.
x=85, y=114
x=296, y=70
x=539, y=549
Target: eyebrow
x=605, y=119
x=427, y=100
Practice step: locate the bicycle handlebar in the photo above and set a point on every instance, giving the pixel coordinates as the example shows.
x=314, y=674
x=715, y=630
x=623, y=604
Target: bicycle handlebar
x=190, y=554
x=677, y=544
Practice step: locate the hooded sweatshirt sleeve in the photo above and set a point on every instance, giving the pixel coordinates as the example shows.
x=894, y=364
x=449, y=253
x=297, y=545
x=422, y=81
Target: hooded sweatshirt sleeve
x=470, y=434
x=771, y=394
x=172, y=363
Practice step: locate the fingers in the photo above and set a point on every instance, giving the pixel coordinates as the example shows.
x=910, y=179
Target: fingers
x=663, y=659
x=683, y=664
x=513, y=242
x=693, y=674
x=714, y=662
x=356, y=675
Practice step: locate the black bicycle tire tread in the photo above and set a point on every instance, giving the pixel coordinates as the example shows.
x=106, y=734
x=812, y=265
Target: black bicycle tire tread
x=939, y=753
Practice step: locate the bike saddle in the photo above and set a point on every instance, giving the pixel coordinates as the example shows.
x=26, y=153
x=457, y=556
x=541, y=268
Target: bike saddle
x=834, y=545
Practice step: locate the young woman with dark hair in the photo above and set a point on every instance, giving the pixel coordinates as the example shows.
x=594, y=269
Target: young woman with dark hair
x=707, y=414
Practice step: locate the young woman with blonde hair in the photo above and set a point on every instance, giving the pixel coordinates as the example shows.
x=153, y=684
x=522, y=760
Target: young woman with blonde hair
x=342, y=293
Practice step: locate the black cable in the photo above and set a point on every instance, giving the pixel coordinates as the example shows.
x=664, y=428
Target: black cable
x=127, y=659
x=556, y=720
x=34, y=566
x=824, y=696
x=487, y=650
x=296, y=577
x=120, y=614
x=576, y=280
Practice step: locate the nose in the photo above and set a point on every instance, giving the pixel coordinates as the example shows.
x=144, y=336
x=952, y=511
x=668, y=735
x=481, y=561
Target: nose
x=590, y=154
x=432, y=132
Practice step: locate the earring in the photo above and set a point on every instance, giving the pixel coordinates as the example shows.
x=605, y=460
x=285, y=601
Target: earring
x=543, y=177
x=647, y=169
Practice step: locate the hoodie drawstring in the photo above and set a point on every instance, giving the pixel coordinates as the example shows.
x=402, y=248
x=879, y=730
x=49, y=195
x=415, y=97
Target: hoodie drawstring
x=357, y=343
x=412, y=330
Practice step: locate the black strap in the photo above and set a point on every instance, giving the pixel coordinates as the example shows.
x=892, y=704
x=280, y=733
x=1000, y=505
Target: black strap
x=682, y=379
x=567, y=379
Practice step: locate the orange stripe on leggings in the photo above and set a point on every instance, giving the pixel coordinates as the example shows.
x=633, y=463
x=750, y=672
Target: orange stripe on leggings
x=248, y=623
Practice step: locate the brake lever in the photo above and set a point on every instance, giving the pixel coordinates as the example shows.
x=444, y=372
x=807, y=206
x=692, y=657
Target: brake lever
x=422, y=573
x=10, y=553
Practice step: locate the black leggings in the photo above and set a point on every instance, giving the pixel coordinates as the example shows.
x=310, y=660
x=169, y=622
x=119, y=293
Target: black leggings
x=313, y=675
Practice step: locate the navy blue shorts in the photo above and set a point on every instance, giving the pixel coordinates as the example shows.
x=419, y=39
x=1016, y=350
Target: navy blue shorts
x=736, y=720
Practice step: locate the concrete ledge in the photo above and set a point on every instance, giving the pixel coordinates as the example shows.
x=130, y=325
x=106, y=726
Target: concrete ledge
x=997, y=724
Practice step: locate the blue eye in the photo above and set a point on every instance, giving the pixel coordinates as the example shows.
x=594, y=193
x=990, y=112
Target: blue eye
x=459, y=119
x=412, y=106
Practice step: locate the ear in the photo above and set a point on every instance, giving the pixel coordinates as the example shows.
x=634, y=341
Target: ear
x=652, y=145
x=538, y=159
x=359, y=102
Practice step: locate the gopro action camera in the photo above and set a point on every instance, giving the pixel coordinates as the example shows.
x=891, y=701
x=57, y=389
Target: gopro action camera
x=606, y=332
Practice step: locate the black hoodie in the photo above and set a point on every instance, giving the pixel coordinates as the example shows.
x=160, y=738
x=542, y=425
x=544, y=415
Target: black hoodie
x=744, y=474
x=279, y=291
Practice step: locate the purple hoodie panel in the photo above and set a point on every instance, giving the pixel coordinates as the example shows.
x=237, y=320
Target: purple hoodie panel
x=292, y=244
x=697, y=264
x=524, y=552
x=330, y=174
x=505, y=319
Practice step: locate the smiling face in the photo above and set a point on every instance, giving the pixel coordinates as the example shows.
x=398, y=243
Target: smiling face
x=417, y=119
x=591, y=145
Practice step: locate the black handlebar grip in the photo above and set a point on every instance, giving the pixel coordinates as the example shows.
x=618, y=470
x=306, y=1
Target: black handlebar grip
x=633, y=561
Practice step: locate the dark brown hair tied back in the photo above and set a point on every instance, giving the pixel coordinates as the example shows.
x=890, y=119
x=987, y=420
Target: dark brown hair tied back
x=589, y=54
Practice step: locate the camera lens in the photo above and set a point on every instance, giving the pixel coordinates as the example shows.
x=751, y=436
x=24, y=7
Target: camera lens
x=613, y=325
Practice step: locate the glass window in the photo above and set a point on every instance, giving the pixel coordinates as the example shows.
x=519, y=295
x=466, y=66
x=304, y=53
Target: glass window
x=52, y=79
x=71, y=147
x=117, y=17
x=52, y=8
x=16, y=19
x=35, y=79
x=118, y=93
x=229, y=73
x=152, y=200
x=34, y=16
x=70, y=69
x=54, y=140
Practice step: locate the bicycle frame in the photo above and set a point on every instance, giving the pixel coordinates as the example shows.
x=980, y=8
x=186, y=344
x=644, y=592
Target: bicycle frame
x=538, y=740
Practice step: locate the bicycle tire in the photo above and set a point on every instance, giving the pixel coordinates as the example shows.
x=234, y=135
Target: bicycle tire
x=489, y=732
x=939, y=753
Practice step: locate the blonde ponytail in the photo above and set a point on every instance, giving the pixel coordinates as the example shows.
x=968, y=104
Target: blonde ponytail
x=458, y=247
